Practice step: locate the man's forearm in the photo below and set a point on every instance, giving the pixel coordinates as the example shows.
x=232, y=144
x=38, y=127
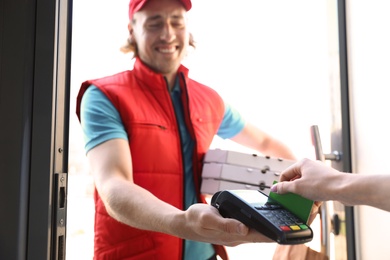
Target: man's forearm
x=137, y=207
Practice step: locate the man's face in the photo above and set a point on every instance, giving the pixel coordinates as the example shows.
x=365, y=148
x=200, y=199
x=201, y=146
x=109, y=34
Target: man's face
x=160, y=32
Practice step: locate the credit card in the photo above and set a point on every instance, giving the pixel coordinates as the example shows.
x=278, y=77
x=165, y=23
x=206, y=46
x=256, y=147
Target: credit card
x=295, y=203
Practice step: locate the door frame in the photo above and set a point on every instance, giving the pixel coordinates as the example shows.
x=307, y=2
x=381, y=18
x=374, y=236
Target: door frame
x=34, y=85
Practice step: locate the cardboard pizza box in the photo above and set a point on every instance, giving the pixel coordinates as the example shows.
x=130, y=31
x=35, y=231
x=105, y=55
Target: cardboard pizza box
x=246, y=160
x=223, y=169
x=211, y=186
x=219, y=176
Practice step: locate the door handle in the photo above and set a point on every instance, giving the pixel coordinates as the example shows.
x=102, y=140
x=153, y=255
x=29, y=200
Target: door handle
x=325, y=220
x=316, y=141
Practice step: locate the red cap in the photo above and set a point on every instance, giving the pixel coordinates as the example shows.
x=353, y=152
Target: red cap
x=136, y=5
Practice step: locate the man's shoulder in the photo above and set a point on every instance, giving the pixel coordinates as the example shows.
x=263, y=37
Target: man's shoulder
x=198, y=86
x=117, y=78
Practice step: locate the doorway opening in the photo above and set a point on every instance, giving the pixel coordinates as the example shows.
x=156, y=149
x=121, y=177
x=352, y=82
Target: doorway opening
x=271, y=62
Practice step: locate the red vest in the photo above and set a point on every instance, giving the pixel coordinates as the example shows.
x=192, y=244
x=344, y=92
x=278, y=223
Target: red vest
x=144, y=104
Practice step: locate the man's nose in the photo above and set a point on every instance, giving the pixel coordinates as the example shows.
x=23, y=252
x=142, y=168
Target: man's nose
x=168, y=33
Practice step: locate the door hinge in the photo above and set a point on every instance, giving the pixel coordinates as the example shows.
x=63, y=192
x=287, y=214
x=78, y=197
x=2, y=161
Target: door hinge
x=59, y=216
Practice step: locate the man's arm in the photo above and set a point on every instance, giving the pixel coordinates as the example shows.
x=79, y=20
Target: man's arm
x=254, y=138
x=110, y=163
x=317, y=181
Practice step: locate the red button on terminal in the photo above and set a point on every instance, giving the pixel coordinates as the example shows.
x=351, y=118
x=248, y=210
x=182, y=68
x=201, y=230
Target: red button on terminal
x=285, y=228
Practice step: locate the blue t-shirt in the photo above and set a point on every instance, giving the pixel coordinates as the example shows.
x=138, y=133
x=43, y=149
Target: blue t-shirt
x=101, y=122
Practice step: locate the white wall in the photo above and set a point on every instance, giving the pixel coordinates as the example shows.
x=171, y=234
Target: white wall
x=369, y=66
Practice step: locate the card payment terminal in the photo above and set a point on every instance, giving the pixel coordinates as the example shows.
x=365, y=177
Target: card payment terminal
x=258, y=211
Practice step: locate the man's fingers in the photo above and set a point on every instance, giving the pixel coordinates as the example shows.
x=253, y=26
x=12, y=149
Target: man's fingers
x=224, y=225
x=232, y=226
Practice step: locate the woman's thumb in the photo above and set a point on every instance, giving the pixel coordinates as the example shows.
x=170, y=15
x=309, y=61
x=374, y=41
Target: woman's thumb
x=280, y=188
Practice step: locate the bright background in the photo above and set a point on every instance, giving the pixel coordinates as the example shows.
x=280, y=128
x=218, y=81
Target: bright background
x=269, y=59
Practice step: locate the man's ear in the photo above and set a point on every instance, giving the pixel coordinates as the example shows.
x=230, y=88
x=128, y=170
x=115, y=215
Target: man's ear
x=131, y=32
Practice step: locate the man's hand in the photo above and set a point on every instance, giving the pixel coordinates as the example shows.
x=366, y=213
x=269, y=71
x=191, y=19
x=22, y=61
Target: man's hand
x=203, y=222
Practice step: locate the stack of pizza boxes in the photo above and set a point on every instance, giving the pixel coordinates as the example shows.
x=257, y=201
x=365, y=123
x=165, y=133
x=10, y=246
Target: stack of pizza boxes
x=230, y=170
